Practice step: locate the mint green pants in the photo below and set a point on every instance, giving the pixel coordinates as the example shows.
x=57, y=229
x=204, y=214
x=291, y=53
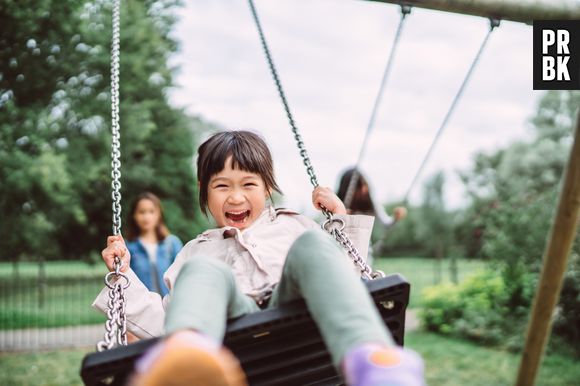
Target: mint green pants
x=206, y=295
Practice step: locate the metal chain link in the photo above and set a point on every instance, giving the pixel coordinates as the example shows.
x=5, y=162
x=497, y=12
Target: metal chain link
x=493, y=24
x=335, y=227
x=405, y=10
x=115, y=129
x=116, y=324
x=328, y=226
x=274, y=72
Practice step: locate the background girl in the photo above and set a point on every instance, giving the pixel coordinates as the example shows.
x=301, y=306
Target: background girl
x=153, y=249
x=363, y=202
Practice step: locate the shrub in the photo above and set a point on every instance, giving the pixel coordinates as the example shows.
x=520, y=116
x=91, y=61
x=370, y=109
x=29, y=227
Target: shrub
x=487, y=309
x=475, y=309
x=441, y=307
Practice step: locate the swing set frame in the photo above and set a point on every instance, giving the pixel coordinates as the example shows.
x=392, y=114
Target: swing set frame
x=522, y=11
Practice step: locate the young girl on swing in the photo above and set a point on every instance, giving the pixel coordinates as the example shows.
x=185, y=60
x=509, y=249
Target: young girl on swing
x=257, y=257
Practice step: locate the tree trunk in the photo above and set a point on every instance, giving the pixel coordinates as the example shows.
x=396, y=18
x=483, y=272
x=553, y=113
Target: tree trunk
x=15, y=269
x=453, y=269
x=41, y=283
x=439, y=263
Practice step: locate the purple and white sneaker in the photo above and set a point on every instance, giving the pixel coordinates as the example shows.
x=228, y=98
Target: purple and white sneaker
x=375, y=365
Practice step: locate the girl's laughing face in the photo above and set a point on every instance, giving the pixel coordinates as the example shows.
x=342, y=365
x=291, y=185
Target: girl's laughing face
x=236, y=197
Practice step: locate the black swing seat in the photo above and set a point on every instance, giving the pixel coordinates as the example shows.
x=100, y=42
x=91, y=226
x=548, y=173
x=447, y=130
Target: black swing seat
x=278, y=346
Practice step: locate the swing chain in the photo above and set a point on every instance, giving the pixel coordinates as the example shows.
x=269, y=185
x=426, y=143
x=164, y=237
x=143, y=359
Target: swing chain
x=297, y=136
x=405, y=11
x=493, y=24
x=340, y=236
x=335, y=227
x=366, y=272
x=115, y=129
x=116, y=324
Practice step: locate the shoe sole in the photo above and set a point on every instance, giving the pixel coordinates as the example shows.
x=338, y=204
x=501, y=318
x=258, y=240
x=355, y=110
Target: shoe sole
x=190, y=366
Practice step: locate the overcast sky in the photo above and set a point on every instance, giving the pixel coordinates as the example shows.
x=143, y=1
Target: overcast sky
x=330, y=56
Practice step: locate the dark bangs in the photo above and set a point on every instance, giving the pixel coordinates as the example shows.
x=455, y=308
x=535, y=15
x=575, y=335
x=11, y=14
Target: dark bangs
x=249, y=153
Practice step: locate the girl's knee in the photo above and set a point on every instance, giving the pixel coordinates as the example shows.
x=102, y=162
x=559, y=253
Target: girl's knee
x=311, y=238
x=312, y=244
x=205, y=267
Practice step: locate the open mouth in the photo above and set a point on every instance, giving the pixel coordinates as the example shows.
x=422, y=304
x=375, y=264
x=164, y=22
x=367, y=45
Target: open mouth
x=238, y=217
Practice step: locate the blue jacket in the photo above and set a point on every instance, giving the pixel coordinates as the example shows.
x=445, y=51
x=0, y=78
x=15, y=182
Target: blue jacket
x=140, y=264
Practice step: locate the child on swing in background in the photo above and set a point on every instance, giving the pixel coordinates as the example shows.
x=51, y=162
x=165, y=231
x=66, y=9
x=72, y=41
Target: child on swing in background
x=362, y=202
x=257, y=257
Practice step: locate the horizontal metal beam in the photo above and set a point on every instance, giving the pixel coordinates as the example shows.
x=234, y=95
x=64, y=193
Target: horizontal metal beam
x=523, y=11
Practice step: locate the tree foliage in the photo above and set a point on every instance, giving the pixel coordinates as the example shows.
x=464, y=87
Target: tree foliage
x=428, y=228
x=514, y=190
x=514, y=194
x=55, y=124
x=434, y=229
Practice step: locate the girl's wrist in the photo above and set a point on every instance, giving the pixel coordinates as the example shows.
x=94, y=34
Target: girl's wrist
x=340, y=209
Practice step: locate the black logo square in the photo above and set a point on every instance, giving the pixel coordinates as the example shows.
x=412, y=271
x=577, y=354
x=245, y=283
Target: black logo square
x=556, y=55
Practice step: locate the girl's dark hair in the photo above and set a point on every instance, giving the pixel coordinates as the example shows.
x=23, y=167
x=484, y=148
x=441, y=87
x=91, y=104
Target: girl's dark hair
x=249, y=153
x=361, y=201
x=133, y=229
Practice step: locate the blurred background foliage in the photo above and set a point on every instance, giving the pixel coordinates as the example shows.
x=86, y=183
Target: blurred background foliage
x=513, y=193
x=55, y=125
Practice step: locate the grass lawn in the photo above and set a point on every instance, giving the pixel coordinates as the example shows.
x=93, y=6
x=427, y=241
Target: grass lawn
x=56, y=303
x=64, y=295
x=52, y=269
x=60, y=297
x=453, y=362
x=421, y=272
x=449, y=362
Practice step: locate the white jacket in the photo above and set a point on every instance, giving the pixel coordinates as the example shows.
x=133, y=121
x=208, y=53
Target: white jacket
x=256, y=255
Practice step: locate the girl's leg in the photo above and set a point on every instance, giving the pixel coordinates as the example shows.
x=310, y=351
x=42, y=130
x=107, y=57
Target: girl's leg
x=204, y=298
x=317, y=270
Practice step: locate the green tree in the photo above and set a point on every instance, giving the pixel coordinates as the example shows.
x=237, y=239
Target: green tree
x=35, y=50
x=402, y=238
x=434, y=229
x=514, y=193
x=55, y=124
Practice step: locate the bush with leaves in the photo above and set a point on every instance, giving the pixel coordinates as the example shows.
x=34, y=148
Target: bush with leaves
x=514, y=194
x=475, y=309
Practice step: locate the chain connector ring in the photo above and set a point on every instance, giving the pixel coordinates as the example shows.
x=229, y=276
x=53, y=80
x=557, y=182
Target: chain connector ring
x=117, y=275
x=378, y=274
x=330, y=224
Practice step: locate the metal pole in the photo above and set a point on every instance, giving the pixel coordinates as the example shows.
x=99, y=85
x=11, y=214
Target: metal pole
x=523, y=11
x=555, y=258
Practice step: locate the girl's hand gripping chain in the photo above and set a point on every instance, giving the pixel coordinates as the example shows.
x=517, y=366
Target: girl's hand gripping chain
x=325, y=197
x=116, y=247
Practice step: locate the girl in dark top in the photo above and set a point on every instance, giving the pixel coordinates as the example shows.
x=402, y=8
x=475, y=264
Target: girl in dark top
x=362, y=202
